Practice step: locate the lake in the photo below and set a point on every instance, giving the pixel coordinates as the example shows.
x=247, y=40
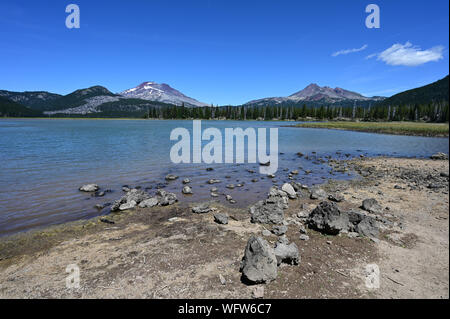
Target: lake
x=44, y=162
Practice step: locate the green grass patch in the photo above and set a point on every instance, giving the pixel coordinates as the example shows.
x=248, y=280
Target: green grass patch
x=399, y=128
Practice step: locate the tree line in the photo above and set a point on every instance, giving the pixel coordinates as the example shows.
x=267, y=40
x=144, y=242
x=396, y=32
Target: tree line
x=432, y=112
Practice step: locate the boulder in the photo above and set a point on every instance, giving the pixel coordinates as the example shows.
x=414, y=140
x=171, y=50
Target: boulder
x=221, y=218
x=270, y=211
x=89, y=188
x=439, y=156
x=289, y=190
x=318, y=193
x=328, y=218
x=128, y=205
x=259, y=264
x=371, y=205
x=151, y=202
x=363, y=224
x=214, y=181
x=166, y=198
x=130, y=200
x=266, y=213
x=201, y=209
x=186, y=181
x=287, y=253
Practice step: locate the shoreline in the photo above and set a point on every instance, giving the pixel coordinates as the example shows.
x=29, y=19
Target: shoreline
x=119, y=255
x=392, y=128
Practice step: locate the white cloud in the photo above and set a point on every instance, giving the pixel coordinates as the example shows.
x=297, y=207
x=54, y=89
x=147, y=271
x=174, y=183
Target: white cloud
x=408, y=55
x=347, y=51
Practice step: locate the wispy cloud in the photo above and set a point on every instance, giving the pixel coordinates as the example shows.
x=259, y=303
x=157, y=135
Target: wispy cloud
x=408, y=55
x=347, y=51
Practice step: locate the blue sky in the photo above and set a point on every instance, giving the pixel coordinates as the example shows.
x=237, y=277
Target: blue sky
x=223, y=52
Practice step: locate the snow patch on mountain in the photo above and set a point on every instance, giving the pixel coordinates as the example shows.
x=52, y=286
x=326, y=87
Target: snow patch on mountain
x=153, y=91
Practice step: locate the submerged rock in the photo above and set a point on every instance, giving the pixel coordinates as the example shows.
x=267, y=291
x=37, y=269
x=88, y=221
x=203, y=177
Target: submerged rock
x=259, y=264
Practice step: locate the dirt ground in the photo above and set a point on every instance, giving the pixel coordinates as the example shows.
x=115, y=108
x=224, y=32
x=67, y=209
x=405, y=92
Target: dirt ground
x=169, y=252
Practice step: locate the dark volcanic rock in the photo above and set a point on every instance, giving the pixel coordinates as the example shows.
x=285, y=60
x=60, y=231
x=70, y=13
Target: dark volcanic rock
x=259, y=264
x=371, y=205
x=328, y=218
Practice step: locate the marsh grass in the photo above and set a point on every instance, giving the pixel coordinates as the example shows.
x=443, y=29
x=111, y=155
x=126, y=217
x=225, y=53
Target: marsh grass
x=399, y=128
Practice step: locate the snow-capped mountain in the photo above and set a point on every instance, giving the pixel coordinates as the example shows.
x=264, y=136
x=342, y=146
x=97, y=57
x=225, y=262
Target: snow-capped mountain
x=153, y=91
x=316, y=93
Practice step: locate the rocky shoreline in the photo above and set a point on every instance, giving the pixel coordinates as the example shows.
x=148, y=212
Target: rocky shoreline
x=299, y=242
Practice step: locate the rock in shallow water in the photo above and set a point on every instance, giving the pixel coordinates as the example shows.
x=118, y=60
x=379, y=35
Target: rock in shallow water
x=89, y=188
x=259, y=264
x=186, y=190
x=166, y=198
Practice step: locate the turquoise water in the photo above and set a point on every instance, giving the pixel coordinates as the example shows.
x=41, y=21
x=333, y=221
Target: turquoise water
x=43, y=162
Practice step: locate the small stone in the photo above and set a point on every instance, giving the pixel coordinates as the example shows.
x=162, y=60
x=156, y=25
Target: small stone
x=258, y=292
x=222, y=279
x=221, y=218
x=201, y=209
x=186, y=181
x=304, y=237
x=266, y=233
x=187, y=190
x=89, y=188
x=171, y=177
x=279, y=230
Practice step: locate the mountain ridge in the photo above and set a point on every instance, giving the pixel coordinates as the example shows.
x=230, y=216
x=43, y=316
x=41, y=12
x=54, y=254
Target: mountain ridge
x=160, y=92
x=317, y=94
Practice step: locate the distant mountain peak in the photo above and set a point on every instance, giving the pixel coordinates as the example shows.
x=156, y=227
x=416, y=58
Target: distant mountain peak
x=153, y=91
x=315, y=93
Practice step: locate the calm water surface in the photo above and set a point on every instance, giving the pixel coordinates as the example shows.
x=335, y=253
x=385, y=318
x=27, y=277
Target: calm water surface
x=43, y=162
